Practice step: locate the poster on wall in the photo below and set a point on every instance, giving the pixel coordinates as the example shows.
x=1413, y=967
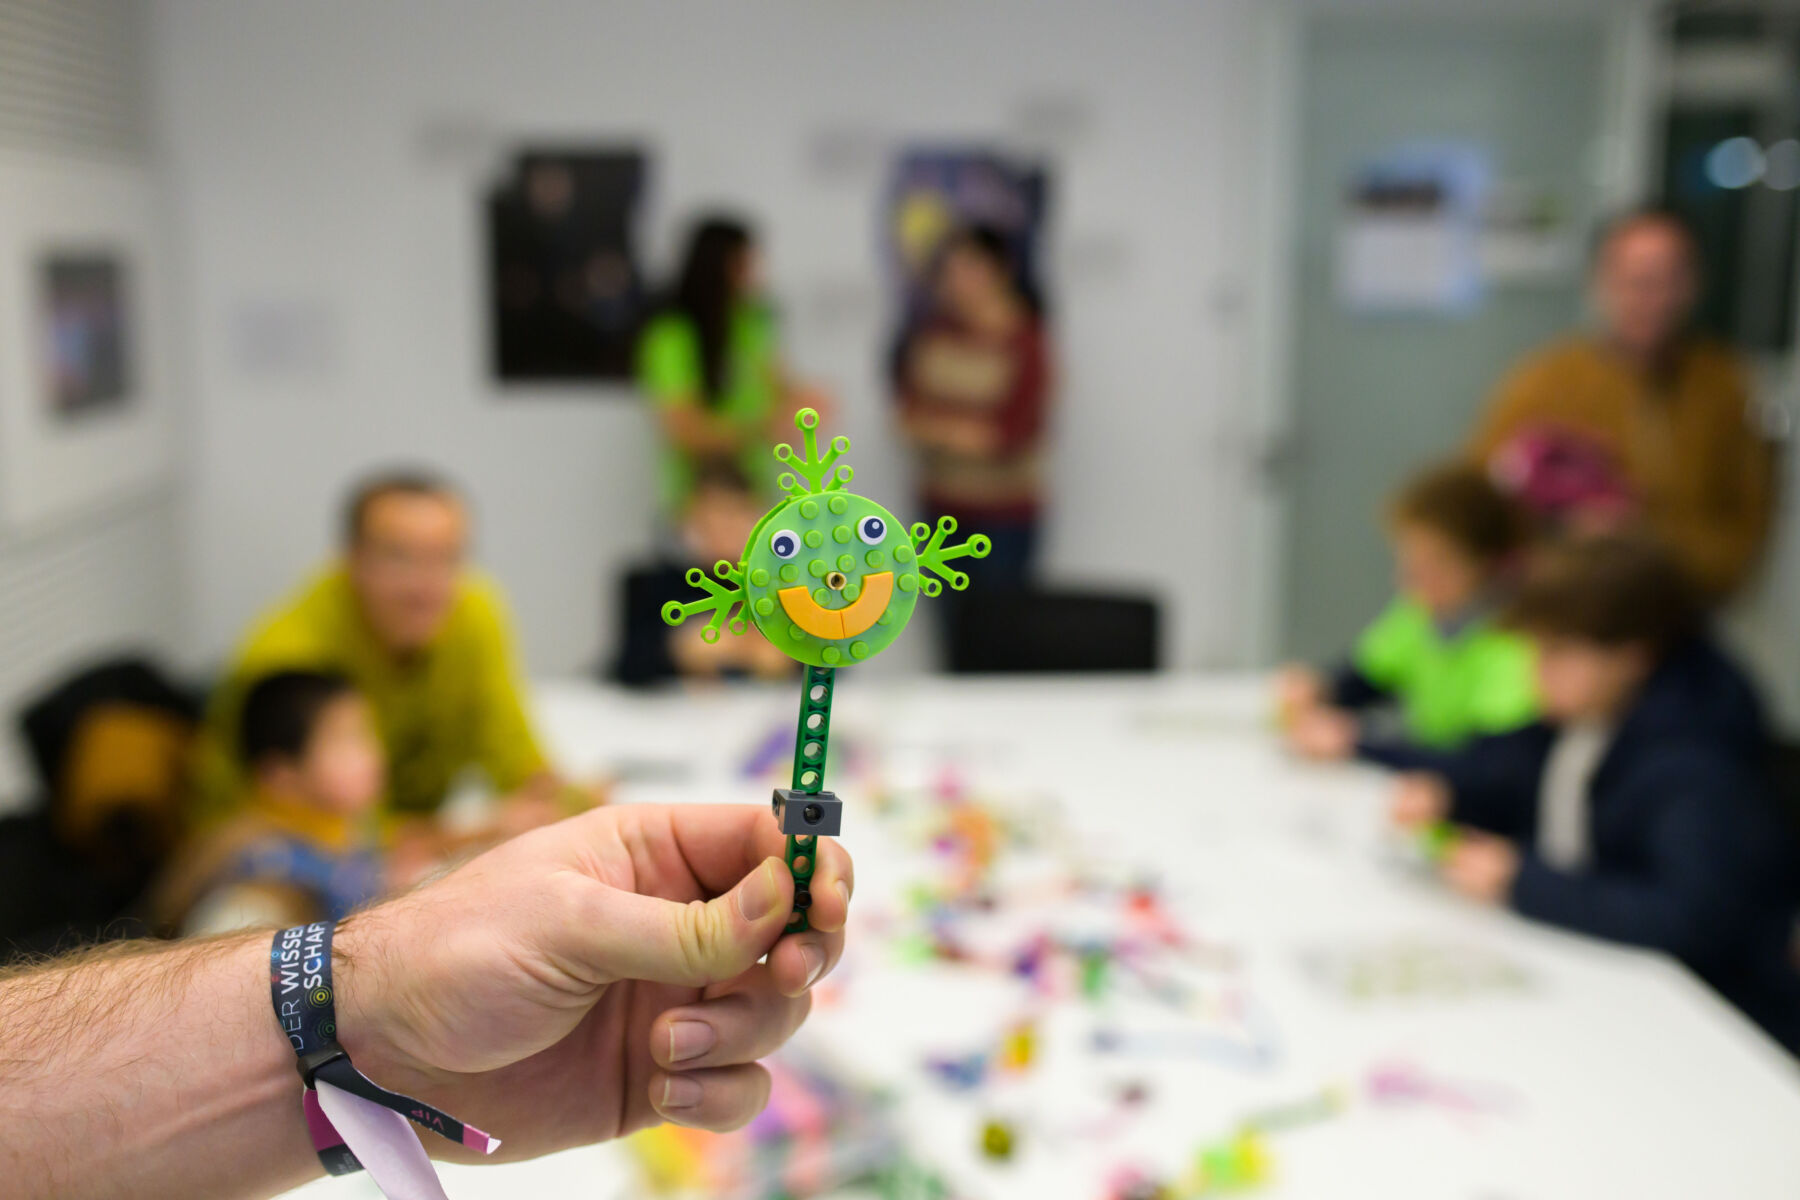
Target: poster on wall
x=1409, y=237
x=85, y=414
x=565, y=285
x=934, y=190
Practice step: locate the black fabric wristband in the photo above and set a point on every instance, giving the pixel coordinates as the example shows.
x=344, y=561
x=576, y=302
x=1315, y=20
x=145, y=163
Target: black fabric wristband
x=300, y=989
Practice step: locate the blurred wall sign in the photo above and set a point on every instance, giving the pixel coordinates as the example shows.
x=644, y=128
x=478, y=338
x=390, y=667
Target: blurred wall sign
x=846, y=154
x=1528, y=236
x=1094, y=257
x=284, y=338
x=457, y=141
x=1051, y=123
x=841, y=304
x=565, y=286
x=1409, y=241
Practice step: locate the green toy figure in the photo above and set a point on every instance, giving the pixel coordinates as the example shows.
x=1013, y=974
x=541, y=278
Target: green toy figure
x=830, y=578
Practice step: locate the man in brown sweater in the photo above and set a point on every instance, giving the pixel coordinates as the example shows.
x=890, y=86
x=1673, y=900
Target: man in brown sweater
x=1670, y=408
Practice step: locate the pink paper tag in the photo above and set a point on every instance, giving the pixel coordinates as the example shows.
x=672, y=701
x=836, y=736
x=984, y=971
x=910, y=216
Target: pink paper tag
x=384, y=1142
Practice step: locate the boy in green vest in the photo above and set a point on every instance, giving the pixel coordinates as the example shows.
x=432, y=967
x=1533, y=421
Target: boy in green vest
x=1434, y=663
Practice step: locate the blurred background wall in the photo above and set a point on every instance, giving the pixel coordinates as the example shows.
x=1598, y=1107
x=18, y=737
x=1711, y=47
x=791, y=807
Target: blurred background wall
x=1371, y=398
x=325, y=161
x=1225, y=430
x=75, y=98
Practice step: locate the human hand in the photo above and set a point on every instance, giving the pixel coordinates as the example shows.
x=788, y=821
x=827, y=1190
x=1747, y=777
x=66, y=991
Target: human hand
x=575, y=797
x=1600, y=518
x=1481, y=866
x=797, y=394
x=545, y=798
x=1298, y=688
x=526, y=811
x=1419, y=799
x=766, y=660
x=408, y=857
x=810, y=395
x=422, y=848
x=593, y=977
x=968, y=437
x=1323, y=734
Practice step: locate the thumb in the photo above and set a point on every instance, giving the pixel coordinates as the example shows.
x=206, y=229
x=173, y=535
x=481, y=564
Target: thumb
x=692, y=944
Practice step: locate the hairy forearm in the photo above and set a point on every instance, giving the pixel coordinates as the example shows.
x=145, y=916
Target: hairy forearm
x=150, y=1069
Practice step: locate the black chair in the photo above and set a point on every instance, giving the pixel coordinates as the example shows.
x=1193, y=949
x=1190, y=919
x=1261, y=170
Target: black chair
x=1785, y=769
x=48, y=721
x=642, y=657
x=54, y=895
x=1051, y=631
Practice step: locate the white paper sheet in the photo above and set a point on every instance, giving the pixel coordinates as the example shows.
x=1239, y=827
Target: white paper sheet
x=384, y=1143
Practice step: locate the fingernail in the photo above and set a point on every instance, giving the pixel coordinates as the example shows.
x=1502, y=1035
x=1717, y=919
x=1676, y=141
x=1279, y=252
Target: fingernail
x=680, y=1092
x=814, y=959
x=690, y=1039
x=843, y=890
x=759, y=893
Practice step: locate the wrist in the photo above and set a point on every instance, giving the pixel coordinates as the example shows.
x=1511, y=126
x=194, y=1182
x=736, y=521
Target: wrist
x=351, y=1035
x=266, y=1080
x=368, y=1027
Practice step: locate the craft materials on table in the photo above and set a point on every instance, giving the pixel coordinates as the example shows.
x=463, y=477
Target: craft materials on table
x=819, y=1132
x=1100, y=940
x=996, y=888
x=1413, y=968
x=1405, y=1084
x=944, y=957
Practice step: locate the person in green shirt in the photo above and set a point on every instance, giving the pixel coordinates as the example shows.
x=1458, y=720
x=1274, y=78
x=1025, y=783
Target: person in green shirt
x=710, y=363
x=425, y=639
x=1435, y=654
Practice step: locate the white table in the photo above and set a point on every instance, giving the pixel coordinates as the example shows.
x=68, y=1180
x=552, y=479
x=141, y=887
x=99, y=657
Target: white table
x=1614, y=1073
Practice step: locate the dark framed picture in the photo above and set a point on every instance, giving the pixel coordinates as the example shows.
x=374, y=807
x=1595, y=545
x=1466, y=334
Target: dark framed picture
x=565, y=286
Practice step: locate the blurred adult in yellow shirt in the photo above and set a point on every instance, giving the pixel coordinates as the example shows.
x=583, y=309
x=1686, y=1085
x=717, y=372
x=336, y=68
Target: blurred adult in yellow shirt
x=424, y=638
x=1669, y=408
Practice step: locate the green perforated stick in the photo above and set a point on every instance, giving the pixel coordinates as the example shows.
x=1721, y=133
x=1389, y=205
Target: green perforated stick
x=830, y=578
x=811, y=746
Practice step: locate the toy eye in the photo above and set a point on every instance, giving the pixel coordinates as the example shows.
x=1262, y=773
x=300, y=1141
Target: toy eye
x=785, y=543
x=871, y=530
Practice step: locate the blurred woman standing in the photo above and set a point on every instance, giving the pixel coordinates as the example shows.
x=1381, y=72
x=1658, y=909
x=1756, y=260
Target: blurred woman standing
x=973, y=381
x=710, y=362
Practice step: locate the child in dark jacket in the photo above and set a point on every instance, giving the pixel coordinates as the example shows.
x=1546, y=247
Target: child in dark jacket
x=1639, y=809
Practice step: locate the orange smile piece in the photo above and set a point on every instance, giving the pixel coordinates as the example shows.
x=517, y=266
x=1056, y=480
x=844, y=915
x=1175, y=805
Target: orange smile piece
x=835, y=623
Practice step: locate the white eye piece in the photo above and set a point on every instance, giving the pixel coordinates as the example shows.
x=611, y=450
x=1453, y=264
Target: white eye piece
x=785, y=543
x=871, y=530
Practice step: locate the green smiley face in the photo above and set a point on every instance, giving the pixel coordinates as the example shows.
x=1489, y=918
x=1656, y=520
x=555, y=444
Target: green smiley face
x=830, y=578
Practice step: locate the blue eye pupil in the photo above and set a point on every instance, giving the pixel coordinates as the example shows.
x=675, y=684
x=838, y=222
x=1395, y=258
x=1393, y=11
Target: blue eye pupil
x=871, y=530
x=784, y=545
